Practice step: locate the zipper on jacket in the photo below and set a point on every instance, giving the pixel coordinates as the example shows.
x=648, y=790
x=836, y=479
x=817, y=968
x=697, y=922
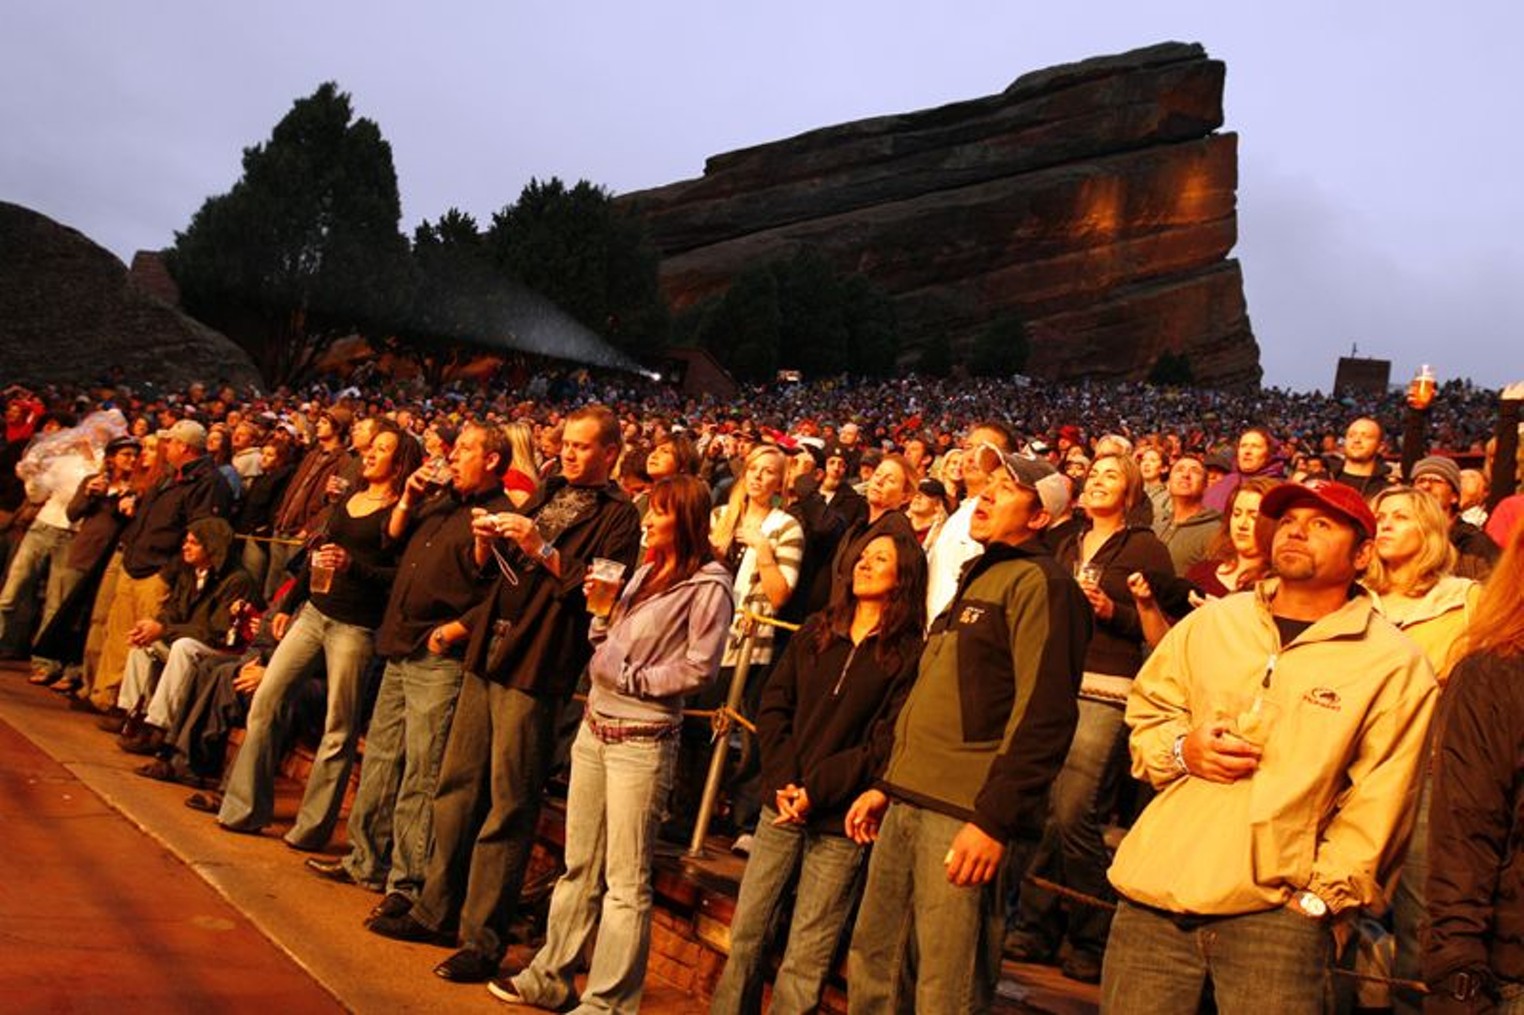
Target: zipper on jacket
x=842, y=676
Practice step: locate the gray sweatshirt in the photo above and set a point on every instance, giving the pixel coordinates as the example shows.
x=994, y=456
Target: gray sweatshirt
x=651, y=654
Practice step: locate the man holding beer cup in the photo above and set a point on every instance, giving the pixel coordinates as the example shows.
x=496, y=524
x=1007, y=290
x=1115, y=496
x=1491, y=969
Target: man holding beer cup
x=527, y=646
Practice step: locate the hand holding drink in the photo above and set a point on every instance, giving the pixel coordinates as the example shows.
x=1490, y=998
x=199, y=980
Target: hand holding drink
x=1421, y=388
x=603, y=577
x=326, y=560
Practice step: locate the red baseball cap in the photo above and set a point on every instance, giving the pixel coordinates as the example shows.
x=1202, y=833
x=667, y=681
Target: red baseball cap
x=1342, y=500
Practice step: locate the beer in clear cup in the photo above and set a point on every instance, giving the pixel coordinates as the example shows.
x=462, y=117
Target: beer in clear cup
x=603, y=590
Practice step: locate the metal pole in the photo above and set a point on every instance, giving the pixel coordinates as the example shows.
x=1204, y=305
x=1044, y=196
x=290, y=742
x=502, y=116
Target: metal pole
x=722, y=742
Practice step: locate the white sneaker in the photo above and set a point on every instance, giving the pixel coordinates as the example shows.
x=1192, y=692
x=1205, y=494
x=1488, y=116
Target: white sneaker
x=502, y=989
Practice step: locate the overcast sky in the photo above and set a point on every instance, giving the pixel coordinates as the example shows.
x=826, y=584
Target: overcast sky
x=1379, y=142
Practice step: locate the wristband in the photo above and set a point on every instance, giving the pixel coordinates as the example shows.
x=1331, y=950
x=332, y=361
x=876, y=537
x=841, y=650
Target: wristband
x=1178, y=751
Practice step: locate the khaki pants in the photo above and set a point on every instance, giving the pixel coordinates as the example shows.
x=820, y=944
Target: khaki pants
x=135, y=599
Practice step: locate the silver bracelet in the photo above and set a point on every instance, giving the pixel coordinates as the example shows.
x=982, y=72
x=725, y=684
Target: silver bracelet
x=1179, y=754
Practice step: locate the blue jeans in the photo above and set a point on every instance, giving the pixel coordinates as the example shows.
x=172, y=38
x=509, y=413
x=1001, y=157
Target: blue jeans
x=827, y=866
x=909, y=908
x=613, y=810
x=1274, y=961
x=486, y=809
x=249, y=798
x=44, y=549
x=1073, y=851
x=391, y=825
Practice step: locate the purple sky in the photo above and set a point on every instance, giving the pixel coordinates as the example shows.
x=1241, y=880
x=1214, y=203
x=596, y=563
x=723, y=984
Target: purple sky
x=1378, y=141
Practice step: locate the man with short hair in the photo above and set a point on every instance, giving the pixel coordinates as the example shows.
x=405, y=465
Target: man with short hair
x=1474, y=490
x=1440, y=478
x=981, y=736
x=526, y=648
x=1188, y=529
x=1284, y=730
x=954, y=545
x=1363, y=468
x=421, y=637
x=305, y=502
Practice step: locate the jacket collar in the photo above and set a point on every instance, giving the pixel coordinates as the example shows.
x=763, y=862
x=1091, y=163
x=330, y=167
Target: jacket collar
x=1351, y=620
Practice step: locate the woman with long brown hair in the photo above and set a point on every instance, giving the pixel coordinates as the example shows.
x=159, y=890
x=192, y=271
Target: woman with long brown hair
x=333, y=613
x=1474, y=952
x=843, y=677
x=662, y=640
x=1237, y=556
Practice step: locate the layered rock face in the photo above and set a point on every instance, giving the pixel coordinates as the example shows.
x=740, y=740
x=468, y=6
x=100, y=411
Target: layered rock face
x=1095, y=201
x=69, y=313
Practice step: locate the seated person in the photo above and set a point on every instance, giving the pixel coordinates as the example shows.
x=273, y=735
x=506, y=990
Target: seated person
x=205, y=582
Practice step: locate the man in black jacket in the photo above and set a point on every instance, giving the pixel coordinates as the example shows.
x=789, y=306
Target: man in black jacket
x=422, y=638
x=527, y=646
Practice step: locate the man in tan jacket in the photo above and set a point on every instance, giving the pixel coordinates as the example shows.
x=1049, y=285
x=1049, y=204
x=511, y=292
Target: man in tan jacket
x=1283, y=729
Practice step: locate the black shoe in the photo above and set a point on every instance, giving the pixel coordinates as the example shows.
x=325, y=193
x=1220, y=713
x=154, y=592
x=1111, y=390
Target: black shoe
x=206, y=803
x=467, y=966
x=394, y=905
x=1082, y=966
x=1025, y=946
x=405, y=928
x=146, y=743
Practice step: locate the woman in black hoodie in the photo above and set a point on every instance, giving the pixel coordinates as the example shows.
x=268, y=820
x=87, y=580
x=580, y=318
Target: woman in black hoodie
x=843, y=676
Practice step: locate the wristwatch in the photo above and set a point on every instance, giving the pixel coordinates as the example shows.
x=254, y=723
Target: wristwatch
x=1309, y=904
x=546, y=549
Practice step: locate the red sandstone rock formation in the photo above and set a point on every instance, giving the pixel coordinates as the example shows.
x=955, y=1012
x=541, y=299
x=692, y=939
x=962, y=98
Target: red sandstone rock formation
x=1096, y=201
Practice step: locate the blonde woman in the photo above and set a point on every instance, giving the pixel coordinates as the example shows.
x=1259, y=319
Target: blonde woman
x=762, y=546
x=523, y=476
x=1410, y=582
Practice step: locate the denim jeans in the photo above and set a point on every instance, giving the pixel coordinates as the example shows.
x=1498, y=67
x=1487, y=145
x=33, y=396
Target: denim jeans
x=177, y=681
x=613, y=810
x=44, y=549
x=249, y=799
x=1073, y=851
x=909, y=908
x=827, y=866
x=391, y=825
x=1274, y=961
x=486, y=809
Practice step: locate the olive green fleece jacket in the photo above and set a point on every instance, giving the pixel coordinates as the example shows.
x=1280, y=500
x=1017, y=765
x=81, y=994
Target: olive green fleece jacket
x=987, y=725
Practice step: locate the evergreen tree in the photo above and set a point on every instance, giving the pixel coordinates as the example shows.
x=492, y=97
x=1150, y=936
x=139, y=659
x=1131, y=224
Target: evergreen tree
x=305, y=248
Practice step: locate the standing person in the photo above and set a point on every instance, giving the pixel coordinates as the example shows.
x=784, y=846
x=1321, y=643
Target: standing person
x=255, y=517
x=1155, y=469
x=662, y=640
x=304, y=502
x=980, y=737
x=889, y=489
x=422, y=638
x=954, y=546
x=527, y=646
x=1102, y=555
x=1237, y=557
x=845, y=673
x=522, y=477
x=96, y=511
x=1254, y=458
x=337, y=622
x=763, y=547
x=1410, y=582
x=1186, y=526
x=1473, y=958
x=1363, y=468
x=927, y=510
x=1283, y=729
x=1439, y=477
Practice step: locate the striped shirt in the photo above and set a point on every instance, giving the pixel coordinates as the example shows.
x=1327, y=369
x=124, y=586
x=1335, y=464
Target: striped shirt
x=786, y=536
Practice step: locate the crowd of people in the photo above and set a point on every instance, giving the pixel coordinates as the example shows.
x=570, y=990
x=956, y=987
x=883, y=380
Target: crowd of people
x=982, y=626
